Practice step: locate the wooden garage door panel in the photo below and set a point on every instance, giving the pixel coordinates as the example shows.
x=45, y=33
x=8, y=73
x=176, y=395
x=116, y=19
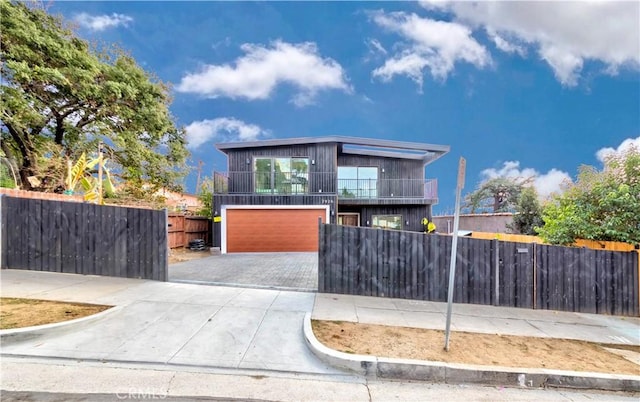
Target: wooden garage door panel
x=272, y=230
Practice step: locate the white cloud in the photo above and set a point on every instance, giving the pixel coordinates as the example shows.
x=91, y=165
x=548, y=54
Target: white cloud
x=375, y=46
x=101, y=22
x=430, y=44
x=256, y=74
x=222, y=129
x=545, y=184
x=603, y=153
x=565, y=34
x=550, y=182
x=505, y=45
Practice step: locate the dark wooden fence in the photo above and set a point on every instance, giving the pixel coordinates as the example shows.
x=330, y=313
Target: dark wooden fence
x=83, y=238
x=409, y=265
x=183, y=229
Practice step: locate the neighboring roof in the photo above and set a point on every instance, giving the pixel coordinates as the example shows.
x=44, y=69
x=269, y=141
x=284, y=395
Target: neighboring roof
x=354, y=145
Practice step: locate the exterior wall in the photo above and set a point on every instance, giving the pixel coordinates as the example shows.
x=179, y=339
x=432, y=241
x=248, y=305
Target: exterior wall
x=413, y=214
x=475, y=222
x=322, y=162
x=180, y=201
x=396, y=177
x=13, y=192
x=220, y=200
x=393, y=168
x=401, y=187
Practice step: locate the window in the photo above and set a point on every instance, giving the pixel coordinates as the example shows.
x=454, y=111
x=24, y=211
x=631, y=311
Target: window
x=281, y=175
x=357, y=182
x=387, y=222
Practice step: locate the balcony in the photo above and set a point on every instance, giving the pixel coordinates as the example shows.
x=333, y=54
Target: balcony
x=348, y=191
x=362, y=191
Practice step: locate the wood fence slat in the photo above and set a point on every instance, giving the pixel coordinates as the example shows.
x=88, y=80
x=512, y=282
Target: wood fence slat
x=83, y=238
x=412, y=265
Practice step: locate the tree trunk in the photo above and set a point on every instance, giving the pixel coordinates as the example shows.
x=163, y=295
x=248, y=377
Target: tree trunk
x=28, y=166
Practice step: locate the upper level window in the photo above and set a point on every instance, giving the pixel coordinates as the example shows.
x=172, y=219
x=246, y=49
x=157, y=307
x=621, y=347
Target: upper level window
x=357, y=182
x=281, y=175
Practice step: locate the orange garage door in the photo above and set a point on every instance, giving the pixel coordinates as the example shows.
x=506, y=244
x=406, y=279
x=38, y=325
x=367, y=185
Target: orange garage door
x=272, y=230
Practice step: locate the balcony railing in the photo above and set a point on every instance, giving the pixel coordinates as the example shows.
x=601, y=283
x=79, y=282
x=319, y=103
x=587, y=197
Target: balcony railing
x=279, y=183
x=387, y=188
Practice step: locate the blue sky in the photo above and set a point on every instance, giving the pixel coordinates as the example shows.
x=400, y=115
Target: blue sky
x=529, y=89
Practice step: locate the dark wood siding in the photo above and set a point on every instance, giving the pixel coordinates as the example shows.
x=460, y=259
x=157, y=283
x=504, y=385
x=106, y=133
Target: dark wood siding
x=396, y=177
x=322, y=162
x=393, y=168
x=410, y=213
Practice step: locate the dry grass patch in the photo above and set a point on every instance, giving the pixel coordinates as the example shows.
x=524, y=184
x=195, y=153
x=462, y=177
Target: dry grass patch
x=181, y=254
x=20, y=313
x=474, y=348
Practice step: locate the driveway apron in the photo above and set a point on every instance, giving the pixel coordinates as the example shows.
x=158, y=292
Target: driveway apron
x=174, y=323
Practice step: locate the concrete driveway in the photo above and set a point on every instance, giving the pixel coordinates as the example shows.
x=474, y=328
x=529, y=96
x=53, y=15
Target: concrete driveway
x=172, y=323
x=284, y=271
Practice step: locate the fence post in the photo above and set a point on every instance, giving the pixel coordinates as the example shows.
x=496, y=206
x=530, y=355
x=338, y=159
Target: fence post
x=165, y=274
x=535, y=276
x=496, y=267
x=321, y=257
x=3, y=226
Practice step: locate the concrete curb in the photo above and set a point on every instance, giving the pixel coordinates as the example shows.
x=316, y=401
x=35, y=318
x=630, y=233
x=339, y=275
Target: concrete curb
x=452, y=373
x=8, y=336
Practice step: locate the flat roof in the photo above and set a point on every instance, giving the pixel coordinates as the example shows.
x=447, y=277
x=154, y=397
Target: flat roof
x=354, y=145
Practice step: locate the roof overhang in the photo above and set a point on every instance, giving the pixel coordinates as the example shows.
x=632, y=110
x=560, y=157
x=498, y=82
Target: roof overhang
x=426, y=153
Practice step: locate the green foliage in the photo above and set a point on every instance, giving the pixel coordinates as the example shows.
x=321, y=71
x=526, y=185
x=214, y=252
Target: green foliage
x=6, y=180
x=7, y=172
x=601, y=205
x=59, y=97
x=205, y=195
x=528, y=213
x=81, y=173
x=499, y=194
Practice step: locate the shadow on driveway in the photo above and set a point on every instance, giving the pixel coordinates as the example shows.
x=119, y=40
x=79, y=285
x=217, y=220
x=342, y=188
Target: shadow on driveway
x=286, y=271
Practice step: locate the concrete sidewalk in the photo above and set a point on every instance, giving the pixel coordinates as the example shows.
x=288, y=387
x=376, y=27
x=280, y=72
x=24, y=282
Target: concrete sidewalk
x=476, y=318
x=173, y=323
x=256, y=333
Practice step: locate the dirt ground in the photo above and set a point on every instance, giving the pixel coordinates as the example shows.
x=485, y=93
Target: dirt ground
x=184, y=254
x=20, y=313
x=474, y=348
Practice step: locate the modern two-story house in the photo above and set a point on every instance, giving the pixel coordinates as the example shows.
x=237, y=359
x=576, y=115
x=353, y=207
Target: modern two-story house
x=275, y=191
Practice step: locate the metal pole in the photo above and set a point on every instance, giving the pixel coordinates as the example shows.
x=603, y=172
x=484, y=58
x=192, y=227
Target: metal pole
x=452, y=270
x=454, y=251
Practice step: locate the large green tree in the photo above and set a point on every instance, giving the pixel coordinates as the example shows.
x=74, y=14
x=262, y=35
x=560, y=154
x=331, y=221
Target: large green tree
x=601, y=205
x=60, y=97
x=527, y=216
x=498, y=194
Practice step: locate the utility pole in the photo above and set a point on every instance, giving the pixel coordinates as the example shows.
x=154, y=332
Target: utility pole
x=200, y=164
